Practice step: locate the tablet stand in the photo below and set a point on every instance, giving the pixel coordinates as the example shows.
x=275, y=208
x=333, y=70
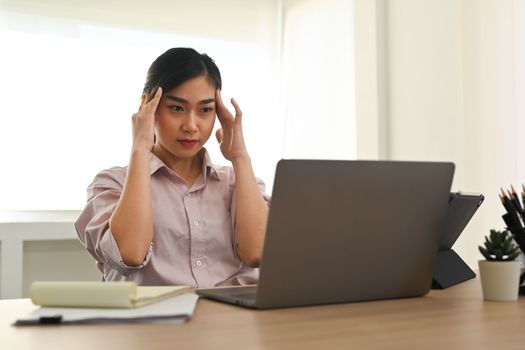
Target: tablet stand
x=450, y=270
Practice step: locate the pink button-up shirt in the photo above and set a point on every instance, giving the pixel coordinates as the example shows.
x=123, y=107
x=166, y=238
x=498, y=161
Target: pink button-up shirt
x=194, y=239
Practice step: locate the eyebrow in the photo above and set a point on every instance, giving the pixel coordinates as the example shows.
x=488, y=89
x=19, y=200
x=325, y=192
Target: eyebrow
x=182, y=100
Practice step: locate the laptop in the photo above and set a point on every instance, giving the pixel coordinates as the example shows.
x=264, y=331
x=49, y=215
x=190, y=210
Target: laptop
x=347, y=231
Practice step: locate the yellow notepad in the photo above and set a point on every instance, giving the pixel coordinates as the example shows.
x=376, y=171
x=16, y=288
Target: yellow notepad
x=100, y=294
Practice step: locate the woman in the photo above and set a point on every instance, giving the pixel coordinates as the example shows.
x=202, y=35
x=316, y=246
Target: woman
x=172, y=216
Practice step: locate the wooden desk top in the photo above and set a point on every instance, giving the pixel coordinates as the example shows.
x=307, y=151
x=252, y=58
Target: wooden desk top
x=456, y=318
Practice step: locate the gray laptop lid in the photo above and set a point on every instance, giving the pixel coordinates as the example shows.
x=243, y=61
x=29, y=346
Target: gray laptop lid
x=342, y=231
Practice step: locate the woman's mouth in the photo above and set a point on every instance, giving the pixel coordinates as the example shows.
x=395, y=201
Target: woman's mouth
x=188, y=143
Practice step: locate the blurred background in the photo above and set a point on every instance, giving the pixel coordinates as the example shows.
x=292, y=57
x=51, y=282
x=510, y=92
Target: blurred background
x=332, y=79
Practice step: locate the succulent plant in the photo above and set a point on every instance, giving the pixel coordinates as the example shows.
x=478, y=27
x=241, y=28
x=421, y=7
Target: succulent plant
x=499, y=247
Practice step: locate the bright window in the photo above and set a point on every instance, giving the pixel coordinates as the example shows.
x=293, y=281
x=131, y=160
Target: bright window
x=70, y=85
x=71, y=97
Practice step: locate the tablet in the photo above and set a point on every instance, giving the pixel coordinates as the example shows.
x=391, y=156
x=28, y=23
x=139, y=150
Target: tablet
x=461, y=207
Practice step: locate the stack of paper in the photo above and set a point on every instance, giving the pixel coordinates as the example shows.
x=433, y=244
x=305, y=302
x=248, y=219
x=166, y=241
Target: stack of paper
x=95, y=302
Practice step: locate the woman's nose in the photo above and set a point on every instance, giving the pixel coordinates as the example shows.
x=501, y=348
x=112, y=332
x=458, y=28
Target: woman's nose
x=190, y=123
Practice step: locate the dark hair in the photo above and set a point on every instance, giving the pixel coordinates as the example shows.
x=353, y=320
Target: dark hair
x=178, y=65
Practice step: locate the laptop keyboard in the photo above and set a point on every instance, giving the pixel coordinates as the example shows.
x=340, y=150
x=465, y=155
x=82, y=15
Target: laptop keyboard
x=244, y=296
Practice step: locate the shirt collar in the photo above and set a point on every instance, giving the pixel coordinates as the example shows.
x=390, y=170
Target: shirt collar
x=208, y=168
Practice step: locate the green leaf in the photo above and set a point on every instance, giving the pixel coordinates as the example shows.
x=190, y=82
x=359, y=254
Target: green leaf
x=484, y=252
x=490, y=246
x=506, y=246
x=499, y=246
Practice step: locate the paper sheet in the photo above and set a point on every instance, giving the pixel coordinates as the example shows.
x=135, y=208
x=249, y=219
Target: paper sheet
x=178, y=308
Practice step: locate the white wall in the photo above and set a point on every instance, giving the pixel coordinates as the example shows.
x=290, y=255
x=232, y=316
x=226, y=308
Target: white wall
x=451, y=93
x=372, y=137
x=424, y=80
x=493, y=158
x=318, y=79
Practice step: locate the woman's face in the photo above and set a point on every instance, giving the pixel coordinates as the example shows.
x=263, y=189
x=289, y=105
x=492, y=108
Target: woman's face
x=185, y=117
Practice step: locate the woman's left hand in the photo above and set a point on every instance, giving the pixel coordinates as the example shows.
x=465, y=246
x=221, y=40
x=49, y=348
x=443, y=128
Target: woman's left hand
x=230, y=134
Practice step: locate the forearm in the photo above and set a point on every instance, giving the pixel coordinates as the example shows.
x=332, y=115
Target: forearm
x=251, y=213
x=131, y=223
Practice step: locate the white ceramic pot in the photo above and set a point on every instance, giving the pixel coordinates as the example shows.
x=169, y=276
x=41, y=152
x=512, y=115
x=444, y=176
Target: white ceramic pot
x=500, y=279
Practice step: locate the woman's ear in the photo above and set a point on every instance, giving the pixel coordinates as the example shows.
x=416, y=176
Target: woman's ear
x=154, y=141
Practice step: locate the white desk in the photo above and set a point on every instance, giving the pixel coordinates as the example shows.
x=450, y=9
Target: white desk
x=18, y=227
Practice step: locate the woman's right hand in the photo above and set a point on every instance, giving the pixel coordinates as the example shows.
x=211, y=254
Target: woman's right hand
x=143, y=123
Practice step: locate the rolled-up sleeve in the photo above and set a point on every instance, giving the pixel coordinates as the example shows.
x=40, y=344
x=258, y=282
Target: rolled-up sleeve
x=92, y=225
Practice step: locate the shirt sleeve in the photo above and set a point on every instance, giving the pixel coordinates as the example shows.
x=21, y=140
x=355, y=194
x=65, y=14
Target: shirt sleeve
x=267, y=199
x=92, y=225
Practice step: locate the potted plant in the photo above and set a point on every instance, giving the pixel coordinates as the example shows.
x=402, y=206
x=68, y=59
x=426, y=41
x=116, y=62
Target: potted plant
x=500, y=272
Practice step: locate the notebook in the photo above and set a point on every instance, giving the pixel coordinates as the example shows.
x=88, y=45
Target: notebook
x=344, y=231
x=100, y=294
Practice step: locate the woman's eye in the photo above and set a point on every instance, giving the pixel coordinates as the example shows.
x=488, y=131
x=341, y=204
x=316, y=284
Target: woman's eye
x=176, y=108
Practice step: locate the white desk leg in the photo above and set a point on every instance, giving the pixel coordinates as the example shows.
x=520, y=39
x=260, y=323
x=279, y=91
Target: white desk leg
x=11, y=261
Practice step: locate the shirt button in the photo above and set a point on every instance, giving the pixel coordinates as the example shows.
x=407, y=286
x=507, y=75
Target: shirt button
x=198, y=263
x=195, y=222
